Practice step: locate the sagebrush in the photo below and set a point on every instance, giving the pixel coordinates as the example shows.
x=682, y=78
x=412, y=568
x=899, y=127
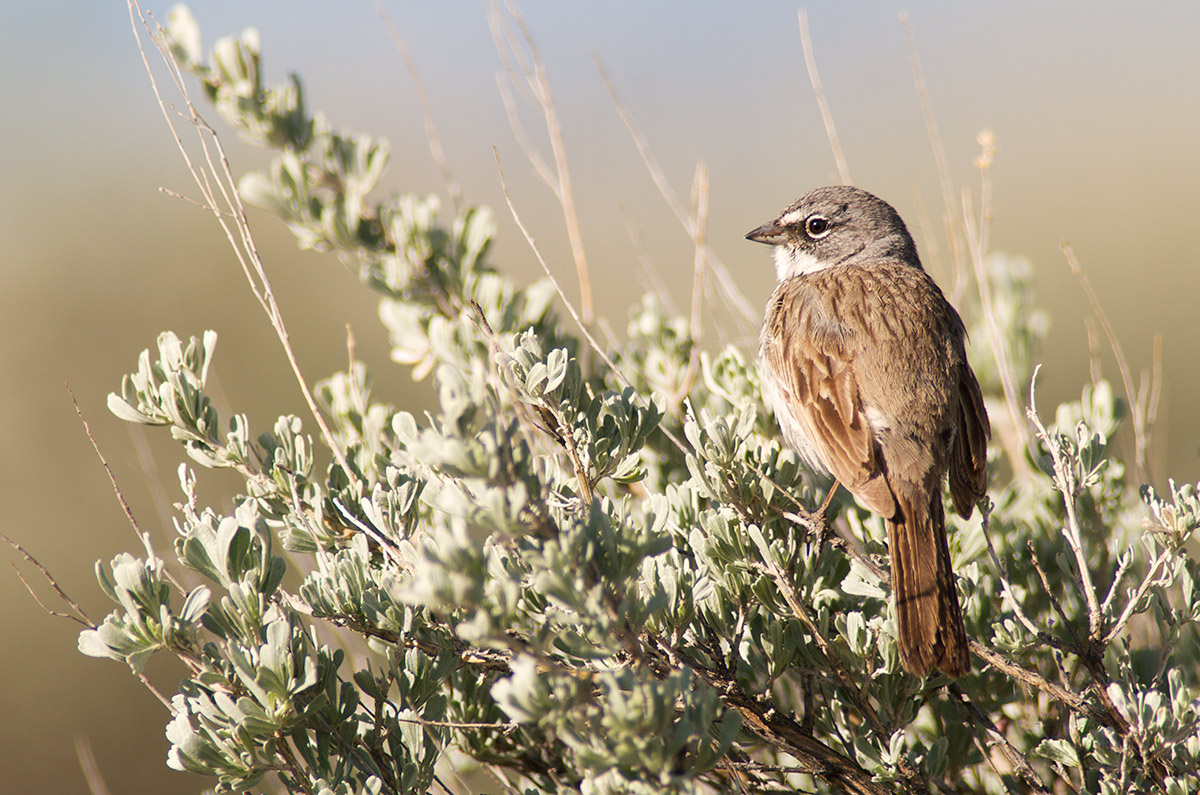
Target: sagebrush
x=596, y=569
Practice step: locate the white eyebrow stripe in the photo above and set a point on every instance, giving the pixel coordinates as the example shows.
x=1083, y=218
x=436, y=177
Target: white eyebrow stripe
x=790, y=219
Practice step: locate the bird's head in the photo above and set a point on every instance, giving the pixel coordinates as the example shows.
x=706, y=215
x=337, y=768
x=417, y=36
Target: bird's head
x=835, y=225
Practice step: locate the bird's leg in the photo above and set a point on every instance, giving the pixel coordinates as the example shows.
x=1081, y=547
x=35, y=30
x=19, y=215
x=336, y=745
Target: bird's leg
x=817, y=520
x=823, y=515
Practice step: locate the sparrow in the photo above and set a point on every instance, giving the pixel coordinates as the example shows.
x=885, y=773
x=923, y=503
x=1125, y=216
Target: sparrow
x=864, y=366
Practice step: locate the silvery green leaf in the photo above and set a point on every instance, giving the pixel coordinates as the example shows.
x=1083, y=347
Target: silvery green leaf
x=183, y=32
x=1117, y=695
x=1060, y=751
x=123, y=410
x=536, y=380
x=92, y=644
x=196, y=604
x=861, y=582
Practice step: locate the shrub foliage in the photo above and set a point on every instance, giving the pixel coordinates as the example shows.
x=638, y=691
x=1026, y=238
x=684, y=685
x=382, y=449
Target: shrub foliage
x=595, y=571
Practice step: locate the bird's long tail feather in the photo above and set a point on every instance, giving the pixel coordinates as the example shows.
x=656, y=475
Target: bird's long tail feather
x=927, y=610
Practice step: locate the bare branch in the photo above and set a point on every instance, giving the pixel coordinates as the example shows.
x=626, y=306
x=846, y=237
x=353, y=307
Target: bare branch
x=778, y=728
x=1064, y=480
x=772, y=570
x=1006, y=586
x=997, y=739
x=80, y=616
x=144, y=537
x=1031, y=678
x=1160, y=560
x=1041, y=573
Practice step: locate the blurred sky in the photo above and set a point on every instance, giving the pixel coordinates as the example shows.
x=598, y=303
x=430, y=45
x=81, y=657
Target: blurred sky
x=1095, y=107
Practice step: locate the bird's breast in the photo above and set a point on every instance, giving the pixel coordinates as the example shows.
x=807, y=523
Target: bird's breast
x=795, y=433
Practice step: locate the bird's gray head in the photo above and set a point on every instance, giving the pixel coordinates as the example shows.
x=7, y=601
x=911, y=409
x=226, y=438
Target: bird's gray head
x=835, y=225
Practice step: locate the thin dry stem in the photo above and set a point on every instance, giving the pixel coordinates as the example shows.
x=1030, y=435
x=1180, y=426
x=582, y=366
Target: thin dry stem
x=242, y=242
x=653, y=278
x=189, y=200
x=1156, y=382
x=384, y=544
x=939, y=157
x=1143, y=402
x=570, y=308
x=1064, y=481
x=89, y=766
x=771, y=568
x=1163, y=558
x=283, y=749
x=540, y=166
x=1124, y=563
x=1054, y=602
x=80, y=616
x=1095, y=371
x=143, y=536
x=731, y=292
x=976, y=238
x=810, y=63
x=507, y=727
x=997, y=739
x=700, y=223
x=1005, y=585
x=930, y=250
x=699, y=217
x=436, y=151
x=532, y=71
x=149, y=467
x=501, y=777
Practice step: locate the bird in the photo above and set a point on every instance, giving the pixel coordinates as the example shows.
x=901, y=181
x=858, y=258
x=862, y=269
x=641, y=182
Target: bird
x=864, y=366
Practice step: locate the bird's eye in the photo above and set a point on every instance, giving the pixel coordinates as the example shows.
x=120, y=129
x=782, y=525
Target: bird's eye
x=817, y=226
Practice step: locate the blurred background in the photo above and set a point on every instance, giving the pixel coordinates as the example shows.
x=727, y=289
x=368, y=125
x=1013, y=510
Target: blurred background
x=1094, y=108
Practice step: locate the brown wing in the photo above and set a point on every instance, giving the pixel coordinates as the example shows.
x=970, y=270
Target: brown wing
x=809, y=350
x=968, y=457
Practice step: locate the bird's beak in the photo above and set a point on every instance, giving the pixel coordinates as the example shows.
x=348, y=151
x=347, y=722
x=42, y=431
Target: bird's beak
x=769, y=233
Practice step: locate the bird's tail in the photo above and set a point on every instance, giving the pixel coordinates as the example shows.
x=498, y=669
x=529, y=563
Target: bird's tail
x=927, y=611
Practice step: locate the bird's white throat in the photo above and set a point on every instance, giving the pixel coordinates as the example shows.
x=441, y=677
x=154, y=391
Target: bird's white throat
x=791, y=262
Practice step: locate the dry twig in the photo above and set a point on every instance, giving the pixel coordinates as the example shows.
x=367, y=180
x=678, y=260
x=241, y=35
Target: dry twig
x=218, y=187
x=810, y=63
x=529, y=73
